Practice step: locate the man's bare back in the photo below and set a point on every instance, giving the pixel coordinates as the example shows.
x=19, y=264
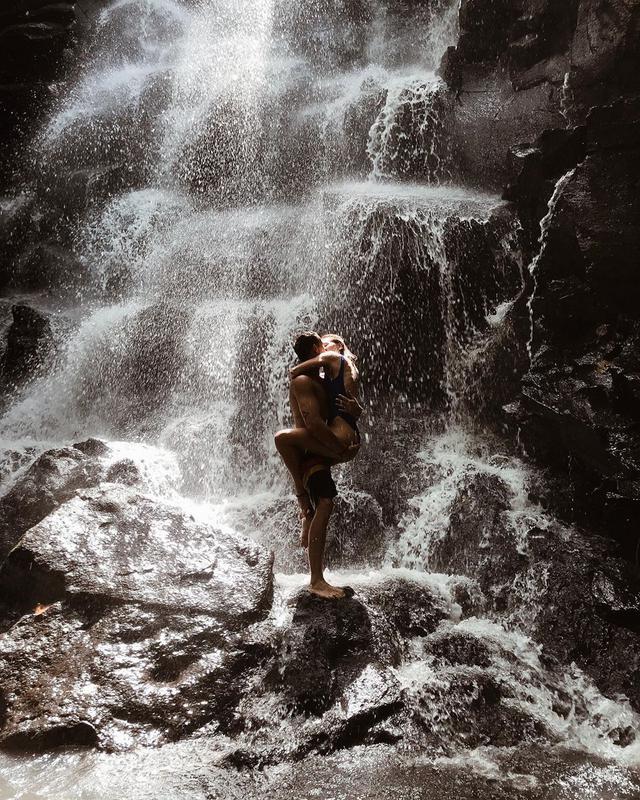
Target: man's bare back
x=314, y=391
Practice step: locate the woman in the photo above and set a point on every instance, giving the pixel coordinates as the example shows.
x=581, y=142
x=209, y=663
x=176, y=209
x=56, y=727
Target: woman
x=340, y=381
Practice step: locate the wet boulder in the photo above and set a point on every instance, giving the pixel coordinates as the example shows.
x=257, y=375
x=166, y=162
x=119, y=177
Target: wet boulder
x=382, y=468
x=124, y=471
x=116, y=677
x=117, y=546
x=478, y=686
x=362, y=715
x=413, y=608
x=329, y=643
x=50, y=481
x=134, y=624
x=326, y=645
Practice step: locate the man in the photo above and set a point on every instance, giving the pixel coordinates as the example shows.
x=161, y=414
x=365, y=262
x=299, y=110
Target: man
x=314, y=485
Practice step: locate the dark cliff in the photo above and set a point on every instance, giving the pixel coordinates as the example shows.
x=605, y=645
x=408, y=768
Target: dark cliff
x=553, y=92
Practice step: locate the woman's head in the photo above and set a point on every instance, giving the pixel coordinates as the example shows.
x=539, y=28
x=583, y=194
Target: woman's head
x=335, y=343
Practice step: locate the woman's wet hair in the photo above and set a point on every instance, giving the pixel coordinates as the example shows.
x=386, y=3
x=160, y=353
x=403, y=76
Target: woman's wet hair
x=344, y=351
x=305, y=345
x=337, y=339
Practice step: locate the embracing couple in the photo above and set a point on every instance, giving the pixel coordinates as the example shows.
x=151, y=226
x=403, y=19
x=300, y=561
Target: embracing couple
x=323, y=396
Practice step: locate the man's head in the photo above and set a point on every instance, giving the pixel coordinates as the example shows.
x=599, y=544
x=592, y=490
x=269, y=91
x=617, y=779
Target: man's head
x=308, y=345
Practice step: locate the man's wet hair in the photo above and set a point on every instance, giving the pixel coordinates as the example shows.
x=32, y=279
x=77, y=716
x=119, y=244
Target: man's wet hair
x=305, y=344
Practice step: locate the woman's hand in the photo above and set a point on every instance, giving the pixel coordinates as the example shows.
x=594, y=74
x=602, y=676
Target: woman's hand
x=348, y=454
x=349, y=405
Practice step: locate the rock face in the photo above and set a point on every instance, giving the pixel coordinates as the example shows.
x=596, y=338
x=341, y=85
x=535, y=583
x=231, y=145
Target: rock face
x=578, y=408
x=566, y=99
x=519, y=66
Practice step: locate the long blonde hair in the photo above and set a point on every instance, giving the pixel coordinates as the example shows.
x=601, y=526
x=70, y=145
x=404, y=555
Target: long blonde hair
x=344, y=350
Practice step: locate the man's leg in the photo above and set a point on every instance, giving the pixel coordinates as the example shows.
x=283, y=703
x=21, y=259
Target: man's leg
x=322, y=490
x=317, y=539
x=310, y=466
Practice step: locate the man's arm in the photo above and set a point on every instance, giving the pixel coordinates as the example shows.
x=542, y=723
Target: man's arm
x=303, y=389
x=314, y=364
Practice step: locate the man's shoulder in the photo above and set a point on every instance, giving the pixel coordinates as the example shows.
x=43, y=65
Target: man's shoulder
x=307, y=383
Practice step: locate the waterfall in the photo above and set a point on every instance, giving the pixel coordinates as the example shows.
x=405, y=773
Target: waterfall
x=213, y=142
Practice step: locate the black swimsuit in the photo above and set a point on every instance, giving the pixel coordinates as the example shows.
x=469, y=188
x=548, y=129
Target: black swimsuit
x=334, y=387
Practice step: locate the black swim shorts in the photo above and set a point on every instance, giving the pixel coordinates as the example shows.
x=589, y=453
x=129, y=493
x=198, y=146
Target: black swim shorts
x=319, y=485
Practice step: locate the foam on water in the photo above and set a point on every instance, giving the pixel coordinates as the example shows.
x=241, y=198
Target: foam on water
x=456, y=199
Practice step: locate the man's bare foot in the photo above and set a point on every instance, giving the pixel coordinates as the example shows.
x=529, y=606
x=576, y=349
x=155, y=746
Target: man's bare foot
x=326, y=590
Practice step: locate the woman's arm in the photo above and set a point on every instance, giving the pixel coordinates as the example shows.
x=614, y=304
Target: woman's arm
x=313, y=364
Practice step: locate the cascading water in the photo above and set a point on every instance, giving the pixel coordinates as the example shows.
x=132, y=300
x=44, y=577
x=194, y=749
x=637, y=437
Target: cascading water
x=249, y=170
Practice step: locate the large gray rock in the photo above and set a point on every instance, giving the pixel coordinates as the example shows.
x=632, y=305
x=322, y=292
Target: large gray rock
x=138, y=629
x=51, y=480
x=117, y=546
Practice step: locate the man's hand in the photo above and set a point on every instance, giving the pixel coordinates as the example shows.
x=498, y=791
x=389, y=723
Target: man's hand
x=349, y=405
